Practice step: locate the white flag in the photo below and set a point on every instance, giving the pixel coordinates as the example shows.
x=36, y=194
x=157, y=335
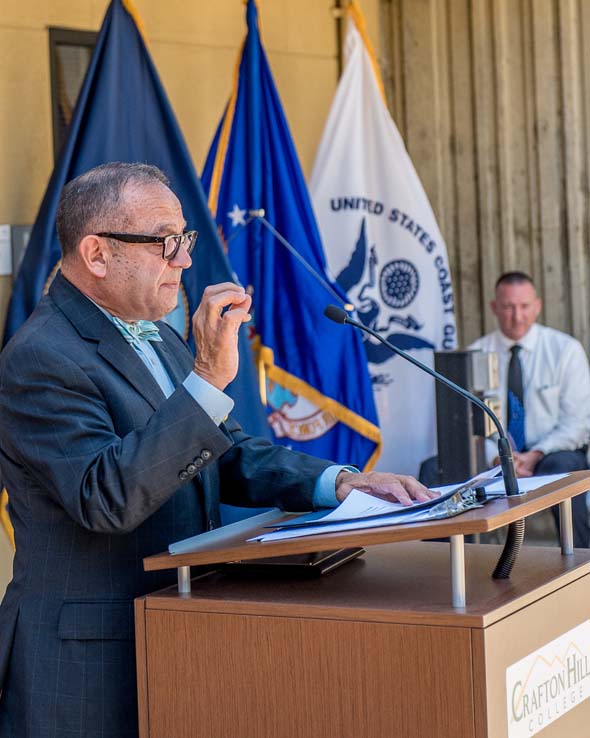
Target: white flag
x=384, y=247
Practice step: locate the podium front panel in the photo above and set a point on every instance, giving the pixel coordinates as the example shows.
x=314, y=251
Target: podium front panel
x=255, y=677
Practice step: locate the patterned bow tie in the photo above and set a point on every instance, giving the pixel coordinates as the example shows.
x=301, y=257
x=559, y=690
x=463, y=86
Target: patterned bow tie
x=134, y=333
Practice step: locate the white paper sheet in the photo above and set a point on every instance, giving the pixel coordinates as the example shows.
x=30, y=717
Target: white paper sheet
x=409, y=517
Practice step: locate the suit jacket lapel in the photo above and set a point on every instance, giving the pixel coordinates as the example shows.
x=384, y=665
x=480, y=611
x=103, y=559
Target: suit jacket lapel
x=122, y=357
x=170, y=360
x=93, y=325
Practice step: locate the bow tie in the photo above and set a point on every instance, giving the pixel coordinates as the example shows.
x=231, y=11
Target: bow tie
x=134, y=333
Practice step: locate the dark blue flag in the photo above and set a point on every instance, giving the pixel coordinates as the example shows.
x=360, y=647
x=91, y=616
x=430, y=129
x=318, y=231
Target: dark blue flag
x=318, y=389
x=123, y=114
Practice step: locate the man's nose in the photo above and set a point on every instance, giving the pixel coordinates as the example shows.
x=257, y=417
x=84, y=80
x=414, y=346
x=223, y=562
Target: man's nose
x=518, y=314
x=181, y=259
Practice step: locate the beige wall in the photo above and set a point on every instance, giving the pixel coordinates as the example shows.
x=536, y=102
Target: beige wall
x=194, y=46
x=493, y=101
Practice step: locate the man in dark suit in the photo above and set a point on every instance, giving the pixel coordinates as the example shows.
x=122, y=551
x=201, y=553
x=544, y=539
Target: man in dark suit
x=112, y=446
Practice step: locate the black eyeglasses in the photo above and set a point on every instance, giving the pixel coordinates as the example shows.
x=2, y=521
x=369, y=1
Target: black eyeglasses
x=170, y=244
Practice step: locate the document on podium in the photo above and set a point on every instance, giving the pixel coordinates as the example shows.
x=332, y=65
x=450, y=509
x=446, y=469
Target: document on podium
x=361, y=510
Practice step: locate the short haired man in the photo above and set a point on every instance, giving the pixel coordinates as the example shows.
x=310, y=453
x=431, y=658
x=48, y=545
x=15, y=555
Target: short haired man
x=112, y=445
x=544, y=386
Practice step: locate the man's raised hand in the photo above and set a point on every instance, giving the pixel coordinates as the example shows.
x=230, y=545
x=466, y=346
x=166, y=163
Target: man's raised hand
x=216, y=322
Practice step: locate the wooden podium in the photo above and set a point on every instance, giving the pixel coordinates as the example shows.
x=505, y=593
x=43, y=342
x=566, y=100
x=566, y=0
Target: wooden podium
x=374, y=649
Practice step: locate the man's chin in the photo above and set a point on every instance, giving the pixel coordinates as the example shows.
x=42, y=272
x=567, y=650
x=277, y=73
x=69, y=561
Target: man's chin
x=517, y=334
x=167, y=302
x=161, y=311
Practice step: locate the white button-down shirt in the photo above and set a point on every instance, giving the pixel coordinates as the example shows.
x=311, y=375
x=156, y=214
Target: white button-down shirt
x=556, y=380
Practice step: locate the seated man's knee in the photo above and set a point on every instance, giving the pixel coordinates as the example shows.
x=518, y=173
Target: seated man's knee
x=560, y=462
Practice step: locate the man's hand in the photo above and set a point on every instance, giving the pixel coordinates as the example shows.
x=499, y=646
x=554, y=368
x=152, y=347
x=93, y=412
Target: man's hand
x=391, y=487
x=525, y=462
x=216, y=334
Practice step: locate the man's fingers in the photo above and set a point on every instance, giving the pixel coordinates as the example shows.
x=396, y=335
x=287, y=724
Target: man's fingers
x=400, y=493
x=418, y=491
x=215, y=289
x=411, y=486
x=211, y=313
x=227, y=299
x=234, y=318
x=402, y=488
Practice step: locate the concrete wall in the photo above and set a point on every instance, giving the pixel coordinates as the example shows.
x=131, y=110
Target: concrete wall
x=194, y=46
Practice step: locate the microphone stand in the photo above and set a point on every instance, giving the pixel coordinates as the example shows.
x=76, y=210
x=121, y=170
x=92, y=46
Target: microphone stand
x=515, y=530
x=515, y=535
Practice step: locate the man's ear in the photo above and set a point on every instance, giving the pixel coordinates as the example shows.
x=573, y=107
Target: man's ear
x=494, y=307
x=95, y=254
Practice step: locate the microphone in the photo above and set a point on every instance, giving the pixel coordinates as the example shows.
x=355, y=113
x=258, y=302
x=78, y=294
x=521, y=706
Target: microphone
x=338, y=315
x=515, y=535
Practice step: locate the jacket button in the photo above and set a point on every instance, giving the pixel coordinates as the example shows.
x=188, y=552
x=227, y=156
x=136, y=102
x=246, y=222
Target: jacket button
x=183, y=476
x=198, y=462
x=206, y=454
x=191, y=469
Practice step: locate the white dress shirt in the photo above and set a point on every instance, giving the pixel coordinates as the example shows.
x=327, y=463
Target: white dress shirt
x=556, y=380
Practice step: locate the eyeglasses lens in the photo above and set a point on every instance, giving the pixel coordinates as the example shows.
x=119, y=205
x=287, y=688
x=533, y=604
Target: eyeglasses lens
x=173, y=243
x=171, y=246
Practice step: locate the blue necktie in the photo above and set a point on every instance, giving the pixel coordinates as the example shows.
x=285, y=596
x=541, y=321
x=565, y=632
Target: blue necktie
x=515, y=400
x=141, y=330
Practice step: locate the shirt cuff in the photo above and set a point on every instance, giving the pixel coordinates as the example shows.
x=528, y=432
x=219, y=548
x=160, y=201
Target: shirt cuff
x=324, y=493
x=214, y=402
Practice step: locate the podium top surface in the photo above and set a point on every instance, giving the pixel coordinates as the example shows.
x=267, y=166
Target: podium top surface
x=492, y=516
x=404, y=583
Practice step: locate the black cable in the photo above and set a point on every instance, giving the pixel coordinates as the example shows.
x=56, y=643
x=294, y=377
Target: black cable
x=510, y=551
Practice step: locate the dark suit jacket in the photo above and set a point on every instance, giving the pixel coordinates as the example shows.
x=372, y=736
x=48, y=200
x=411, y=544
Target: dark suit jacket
x=102, y=470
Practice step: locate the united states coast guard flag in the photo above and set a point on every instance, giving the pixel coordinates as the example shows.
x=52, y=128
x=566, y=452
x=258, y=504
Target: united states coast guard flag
x=317, y=386
x=383, y=244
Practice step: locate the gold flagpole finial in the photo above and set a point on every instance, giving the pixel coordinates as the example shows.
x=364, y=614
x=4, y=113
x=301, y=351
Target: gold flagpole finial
x=132, y=10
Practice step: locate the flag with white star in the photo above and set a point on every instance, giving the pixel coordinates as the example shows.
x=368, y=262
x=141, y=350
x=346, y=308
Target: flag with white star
x=314, y=376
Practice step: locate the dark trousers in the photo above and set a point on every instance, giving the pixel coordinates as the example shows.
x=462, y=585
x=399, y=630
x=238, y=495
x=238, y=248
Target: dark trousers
x=560, y=462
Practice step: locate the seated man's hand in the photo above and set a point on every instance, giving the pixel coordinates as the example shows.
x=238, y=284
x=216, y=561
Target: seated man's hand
x=391, y=487
x=526, y=462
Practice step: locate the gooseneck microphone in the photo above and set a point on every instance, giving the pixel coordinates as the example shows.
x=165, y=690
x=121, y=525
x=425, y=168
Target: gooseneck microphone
x=504, y=452
x=515, y=530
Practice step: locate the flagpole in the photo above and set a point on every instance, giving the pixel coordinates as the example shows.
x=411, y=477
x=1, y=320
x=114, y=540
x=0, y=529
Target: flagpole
x=338, y=14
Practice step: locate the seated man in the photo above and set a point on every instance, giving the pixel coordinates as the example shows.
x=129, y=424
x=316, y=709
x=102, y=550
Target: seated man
x=114, y=441
x=544, y=388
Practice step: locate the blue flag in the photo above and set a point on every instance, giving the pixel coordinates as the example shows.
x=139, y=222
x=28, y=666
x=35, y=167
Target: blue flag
x=123, y=114
x=317, y=385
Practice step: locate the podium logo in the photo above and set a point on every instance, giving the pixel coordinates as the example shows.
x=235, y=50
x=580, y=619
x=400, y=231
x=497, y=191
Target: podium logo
x=548, y=682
